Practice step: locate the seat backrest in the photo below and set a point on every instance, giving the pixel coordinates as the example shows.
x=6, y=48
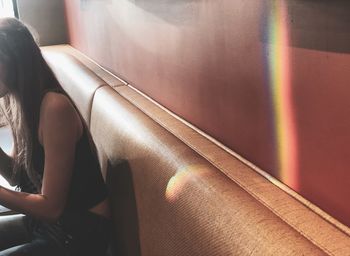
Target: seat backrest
x=176, y=192
x=185, y=205
x=78, y=75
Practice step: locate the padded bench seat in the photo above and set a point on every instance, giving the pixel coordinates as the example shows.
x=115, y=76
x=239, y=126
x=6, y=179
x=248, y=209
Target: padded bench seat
x=79, y=76
x=174, y=190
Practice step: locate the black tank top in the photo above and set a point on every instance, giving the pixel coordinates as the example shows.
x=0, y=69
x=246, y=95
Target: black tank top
x=87, y=187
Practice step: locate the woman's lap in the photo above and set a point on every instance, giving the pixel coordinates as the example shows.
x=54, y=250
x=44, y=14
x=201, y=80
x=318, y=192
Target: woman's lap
x=12, y=231
x=16, y=240
x=37, y=247
x=19, y=235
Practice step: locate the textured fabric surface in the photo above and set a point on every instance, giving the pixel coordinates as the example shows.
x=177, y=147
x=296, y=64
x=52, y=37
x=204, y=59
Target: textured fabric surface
x=173, y=191
x=296, y=214
x=107, y=77
x=77, y=80
x=185, y=205
x=78, y=75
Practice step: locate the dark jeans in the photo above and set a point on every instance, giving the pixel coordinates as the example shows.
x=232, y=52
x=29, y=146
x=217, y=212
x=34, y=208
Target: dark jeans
x=75, y=234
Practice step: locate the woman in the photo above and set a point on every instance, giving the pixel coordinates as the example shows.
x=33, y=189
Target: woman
x=54, y=164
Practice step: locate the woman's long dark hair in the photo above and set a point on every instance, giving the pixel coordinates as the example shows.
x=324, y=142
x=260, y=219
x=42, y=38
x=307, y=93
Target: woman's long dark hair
x=27, y=77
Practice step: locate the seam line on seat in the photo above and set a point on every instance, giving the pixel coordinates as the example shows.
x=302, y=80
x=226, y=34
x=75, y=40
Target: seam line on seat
x=92, y=102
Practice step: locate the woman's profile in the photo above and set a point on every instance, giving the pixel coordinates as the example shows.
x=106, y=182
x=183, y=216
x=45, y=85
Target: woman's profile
x=61, y=194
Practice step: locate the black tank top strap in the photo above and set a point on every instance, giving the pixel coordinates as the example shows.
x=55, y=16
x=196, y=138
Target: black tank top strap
x=87, y=187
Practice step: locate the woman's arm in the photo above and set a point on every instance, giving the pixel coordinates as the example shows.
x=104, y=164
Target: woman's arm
x=59, y=130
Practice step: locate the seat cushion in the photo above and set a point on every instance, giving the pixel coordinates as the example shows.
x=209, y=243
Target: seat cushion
x=184, y=204
x=294, y=210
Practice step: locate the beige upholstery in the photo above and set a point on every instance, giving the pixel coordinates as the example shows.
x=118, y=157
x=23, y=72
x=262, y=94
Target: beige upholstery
x=107, y=77
x=79, y=76
x=185, y=205
x=289, y=209
x=175, y=192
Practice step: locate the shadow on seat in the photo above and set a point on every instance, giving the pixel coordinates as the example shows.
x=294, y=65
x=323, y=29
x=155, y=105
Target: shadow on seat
x=123, y=203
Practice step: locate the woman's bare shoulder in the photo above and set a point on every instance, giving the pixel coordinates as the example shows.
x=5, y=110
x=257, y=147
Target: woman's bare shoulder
x=57, y=110
x=53, y=101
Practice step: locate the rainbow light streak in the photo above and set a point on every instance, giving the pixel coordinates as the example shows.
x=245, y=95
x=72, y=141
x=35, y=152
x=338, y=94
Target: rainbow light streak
x=184, y=177
x=281, y=95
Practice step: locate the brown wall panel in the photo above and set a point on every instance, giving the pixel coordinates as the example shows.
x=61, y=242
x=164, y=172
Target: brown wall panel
x=269, y=79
